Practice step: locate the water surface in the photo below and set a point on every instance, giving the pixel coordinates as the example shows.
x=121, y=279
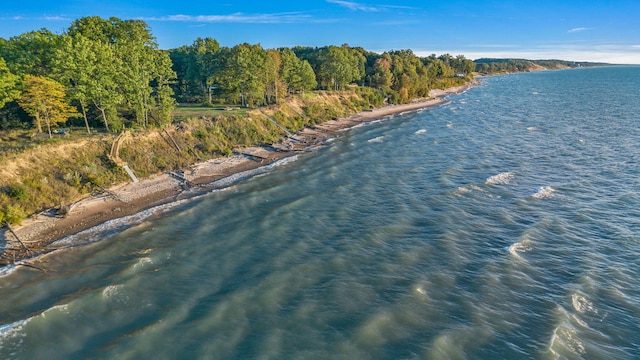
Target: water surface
x=503, y=224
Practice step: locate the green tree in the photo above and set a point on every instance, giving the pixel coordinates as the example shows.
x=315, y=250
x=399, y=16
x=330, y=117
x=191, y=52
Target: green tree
x=297, y=74
x=30, y=53
x=196, y=66
x=44, y=100
x=129, y=70
x=244, y=73
x=339, y=66
x=381, y=76
x=8, y=82
x=75, y=64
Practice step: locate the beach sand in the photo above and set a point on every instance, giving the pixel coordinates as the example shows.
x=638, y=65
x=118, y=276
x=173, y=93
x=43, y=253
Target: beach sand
x=39, y=232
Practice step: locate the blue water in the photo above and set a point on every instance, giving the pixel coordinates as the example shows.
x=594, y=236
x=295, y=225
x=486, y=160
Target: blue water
x=504, y=224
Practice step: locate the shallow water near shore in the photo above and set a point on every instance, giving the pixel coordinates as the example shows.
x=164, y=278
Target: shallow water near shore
x=503, y=224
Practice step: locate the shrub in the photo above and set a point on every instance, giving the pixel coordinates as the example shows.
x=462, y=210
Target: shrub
x=17, y=191
x=13, y=214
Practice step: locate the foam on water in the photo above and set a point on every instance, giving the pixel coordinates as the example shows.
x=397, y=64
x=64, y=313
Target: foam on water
x=378, y=139
x=544, y=192
x=114, y=227
x=500, y=179
x=582, y=305
x=421, y=131
x=12, y=336
x=565, y=342
x=520, y=247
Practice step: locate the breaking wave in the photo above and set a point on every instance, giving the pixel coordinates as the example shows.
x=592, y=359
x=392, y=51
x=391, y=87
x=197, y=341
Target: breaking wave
x=500, y=179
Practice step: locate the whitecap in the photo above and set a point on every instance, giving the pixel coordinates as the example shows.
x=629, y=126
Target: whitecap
x=421, y=131
x=500, y=179
x=13, y=333
x=115, y=293
x=544, y=192
x=565, y=338
x=376, y=140
x=142, y=262
x=461, y=190
x=450, y=125
x=520, y=247
x=533, y=128
x=582, y=304
x=7, y=270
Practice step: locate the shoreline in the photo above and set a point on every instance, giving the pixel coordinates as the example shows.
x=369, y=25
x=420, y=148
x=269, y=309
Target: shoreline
x=38, y=232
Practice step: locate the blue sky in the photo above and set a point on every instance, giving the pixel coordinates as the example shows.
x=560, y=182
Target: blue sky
x=595, y=30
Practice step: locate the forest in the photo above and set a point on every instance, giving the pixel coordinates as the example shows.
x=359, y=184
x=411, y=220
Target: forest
x=109, y=74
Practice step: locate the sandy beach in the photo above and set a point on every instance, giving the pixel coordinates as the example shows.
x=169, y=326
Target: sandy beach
x=37, y=233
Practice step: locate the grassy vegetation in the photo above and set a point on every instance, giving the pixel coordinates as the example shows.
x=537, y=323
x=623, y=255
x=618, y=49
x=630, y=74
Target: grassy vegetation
x=38, y=174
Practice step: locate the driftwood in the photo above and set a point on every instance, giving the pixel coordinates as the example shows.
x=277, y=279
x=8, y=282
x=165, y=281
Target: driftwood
x=172, y=140
x=250, y=154
x=18, y=238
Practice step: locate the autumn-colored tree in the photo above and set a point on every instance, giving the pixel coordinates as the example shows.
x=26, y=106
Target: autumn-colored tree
x=44, y=100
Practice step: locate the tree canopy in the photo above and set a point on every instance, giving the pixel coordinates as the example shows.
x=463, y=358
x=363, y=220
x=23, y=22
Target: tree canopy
x=113, y=73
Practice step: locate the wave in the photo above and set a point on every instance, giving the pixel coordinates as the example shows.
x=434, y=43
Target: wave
x=13, y=335
x=500, y=179
x=113, y=227
x=520, y=247
x=565, y=338
x=421, y=131
x=544, y=192
x=376, y=140
x=582, y=305
x=461, y=190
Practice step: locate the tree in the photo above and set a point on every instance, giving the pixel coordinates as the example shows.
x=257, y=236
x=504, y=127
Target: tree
x=243, y=73
x=381, y=76
x=30, y=53
x=75, y=64
x=44, y=100
x=8, y=81
x=339, y=66
x=127, y=70
x=297, y=74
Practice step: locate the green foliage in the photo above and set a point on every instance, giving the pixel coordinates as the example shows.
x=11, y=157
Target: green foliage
x=493, y=66
x=8, y=83
x=12, y=214
x=17, y=191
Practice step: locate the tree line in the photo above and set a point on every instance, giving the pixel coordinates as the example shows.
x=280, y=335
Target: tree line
x=110, y=73
x=496, y=66
x=107, y=72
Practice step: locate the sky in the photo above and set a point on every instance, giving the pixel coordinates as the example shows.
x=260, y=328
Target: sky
x=575, y=30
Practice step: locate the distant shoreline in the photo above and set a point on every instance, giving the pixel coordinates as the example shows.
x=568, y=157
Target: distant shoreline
x=39, y=232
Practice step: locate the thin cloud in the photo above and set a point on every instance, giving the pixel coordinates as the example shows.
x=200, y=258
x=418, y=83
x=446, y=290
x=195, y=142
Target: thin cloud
x=42, y=18
x=237, y=18
x=578, y=29
x=56, y=18
x=354, y=6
